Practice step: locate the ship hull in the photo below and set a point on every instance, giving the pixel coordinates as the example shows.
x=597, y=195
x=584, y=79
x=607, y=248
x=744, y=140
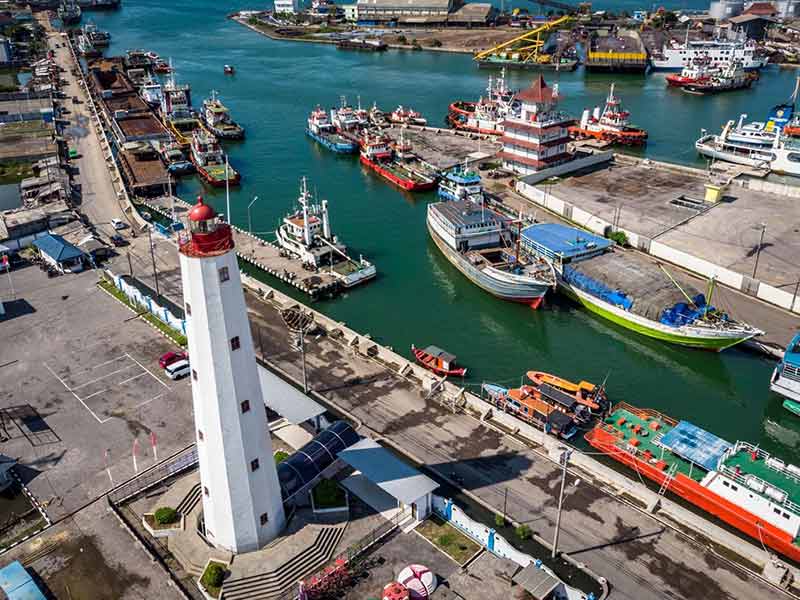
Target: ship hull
x=340, y=148
x=528, y=294
x=643, y=326
x=234, y=178
x=528, y=66
x=231, y=133
x=407, y=184
x=702, y=497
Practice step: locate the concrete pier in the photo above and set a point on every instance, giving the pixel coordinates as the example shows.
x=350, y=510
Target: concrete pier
x=260, y=253
x=444, y=149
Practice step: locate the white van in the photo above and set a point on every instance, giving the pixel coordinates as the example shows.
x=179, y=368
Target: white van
x=117, y=224
x=178, y=369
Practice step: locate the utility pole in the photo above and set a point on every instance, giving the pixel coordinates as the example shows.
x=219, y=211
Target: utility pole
x=563, y=460
x=794, y=298
x=153, y=259
x=758, y=249
x=249, y=221
x=505, y=503
x=303, y=355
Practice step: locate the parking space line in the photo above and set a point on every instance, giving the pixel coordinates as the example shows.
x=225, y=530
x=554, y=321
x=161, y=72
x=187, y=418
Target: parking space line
x=78, y=398
x=101, y=364
x=146, y=369
x=142, y=374
x=95, y=394
x=149, y=401
x=96, y=379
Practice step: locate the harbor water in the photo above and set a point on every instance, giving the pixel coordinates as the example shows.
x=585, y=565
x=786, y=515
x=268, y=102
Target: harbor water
x=418, y=296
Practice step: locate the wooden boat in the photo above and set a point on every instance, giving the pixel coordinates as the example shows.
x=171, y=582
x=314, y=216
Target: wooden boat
x=585, y=393
x=528, y=405
x=437, y=360
x=792, y=406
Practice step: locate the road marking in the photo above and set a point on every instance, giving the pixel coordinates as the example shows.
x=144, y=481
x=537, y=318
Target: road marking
x=146, y=369
x=96, y=379
x=78, y=398
x=95, y=394
x=101, y=364
x=142, y=374
x=149, y=401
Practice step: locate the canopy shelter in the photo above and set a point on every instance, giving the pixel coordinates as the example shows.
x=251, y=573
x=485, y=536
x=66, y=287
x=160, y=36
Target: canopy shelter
x=286, y=400
x=392, y=475
x=696, y=445
x=537, y=582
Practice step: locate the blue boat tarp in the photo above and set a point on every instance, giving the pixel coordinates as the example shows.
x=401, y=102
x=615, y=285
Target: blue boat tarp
x=557, y=240
x=596, y=288
x=17, y=583
x=695, y=444
x=682, y=314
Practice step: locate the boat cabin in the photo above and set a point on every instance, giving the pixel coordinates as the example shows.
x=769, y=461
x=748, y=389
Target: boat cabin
x=563, y=244
x=444, y=360
x=466, y=225
x=461, y=185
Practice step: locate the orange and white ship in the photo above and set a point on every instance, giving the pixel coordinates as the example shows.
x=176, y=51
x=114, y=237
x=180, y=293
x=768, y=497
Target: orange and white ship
x=406, y=116
x=697, y=71
x=612, y=124
x=739, y=483
x=485, y=116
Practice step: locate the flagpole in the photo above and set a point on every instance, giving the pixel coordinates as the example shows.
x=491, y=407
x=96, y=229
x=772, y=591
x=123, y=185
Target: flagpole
x=227, y=192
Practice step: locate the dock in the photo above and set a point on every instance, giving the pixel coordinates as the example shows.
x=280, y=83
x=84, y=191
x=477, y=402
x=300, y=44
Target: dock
x=262, y=254
x=442, y=149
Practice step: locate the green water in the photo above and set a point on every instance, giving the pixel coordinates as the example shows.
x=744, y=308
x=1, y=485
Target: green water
x=419, y=297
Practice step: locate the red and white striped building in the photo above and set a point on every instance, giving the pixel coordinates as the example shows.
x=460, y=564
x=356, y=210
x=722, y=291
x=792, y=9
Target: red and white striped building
x=537, y=139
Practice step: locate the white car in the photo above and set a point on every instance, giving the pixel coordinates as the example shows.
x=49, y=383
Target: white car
x=118, y=224
x=178, y=369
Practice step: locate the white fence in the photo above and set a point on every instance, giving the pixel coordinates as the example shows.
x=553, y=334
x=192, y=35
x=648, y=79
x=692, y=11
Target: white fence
x=146, y=302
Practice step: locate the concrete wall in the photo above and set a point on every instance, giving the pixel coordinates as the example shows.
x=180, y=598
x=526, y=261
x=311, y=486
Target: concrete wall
x=139, y=299
x=783, y=299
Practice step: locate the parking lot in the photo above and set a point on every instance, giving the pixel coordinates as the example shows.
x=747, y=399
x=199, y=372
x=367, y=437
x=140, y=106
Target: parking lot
x=82, y=398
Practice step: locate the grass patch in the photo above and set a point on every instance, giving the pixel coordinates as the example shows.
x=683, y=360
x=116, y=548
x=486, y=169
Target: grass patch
x=35, y=526
x=154, y=524
x=213, y=577
x=14, y=172
x=328, y=494
x=280, y=456
x=150, y=318
x=448, y=539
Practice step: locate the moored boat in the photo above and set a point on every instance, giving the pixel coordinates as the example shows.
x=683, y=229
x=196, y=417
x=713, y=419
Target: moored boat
x=175, y=160
x=377, y=154
x=697, y=71
x=323, y=131
x=488, y=113
x=217, y=118
x=461, y=184
x=176, y=110
x=612, y=124
x=406, y=116
x=439, y=361
x=728, y=78
x=585, y=393
x=210, y=162
x=739, y=483
x=792, y=406
x=480, y=243
x=151, y=91
x=630, y=291
x=532, y=407
x=786, y=376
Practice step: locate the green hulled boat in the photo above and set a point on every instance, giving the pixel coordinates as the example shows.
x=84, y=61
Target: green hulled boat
x=631, y=291
x=792, y=406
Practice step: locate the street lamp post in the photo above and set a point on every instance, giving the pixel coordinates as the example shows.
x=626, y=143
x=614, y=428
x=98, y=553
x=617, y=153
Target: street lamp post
x=153, y=259
x=758, y=249
x=563, y=460
x=249, y=221
x=299, y=323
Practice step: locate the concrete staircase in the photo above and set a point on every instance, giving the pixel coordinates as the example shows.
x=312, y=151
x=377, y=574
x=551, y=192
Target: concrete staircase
x=189, y=501
x=271, y=583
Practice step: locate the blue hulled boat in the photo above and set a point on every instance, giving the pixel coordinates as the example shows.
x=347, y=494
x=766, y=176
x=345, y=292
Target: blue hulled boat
x=322, y=130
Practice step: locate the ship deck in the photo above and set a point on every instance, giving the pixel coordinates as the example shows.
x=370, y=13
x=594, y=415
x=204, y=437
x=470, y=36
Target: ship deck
x=647, y=441
x=759, y=468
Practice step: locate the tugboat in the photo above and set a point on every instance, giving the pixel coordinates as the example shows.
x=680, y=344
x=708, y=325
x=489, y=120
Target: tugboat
x=174, y=160
x=100, y=39
x=176, y=111
x=437, y=360
x=487, y=114
x=739, y=483
x=209, y=160
x=306, y=233
x=406, y=116
x=533, y=407
x=461, y=184
x=322, y=130
x=697, y=71
x=228, y=70
x=731, y=77
x=345, y=120
x=216, y=117
x=610, y=125
x=376, y=153
x=86, y=48
x=162, y=66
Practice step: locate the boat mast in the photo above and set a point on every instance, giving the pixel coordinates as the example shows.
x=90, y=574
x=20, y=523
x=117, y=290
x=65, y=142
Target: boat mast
x=519, y=237
x=711, y=284
x=672, y=279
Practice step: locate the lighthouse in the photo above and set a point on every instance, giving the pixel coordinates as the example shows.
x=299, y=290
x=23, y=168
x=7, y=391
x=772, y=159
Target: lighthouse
x=242, y=507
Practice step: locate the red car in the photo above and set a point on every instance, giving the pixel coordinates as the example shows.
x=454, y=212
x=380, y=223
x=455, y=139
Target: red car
x=171, y=357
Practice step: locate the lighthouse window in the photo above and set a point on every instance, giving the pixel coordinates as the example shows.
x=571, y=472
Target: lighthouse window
x=264, y=518
x=188, y=309
x=235, y=344
x=224, y=275
x=245, y=406
x=200, y=435
x=205, y=491
x=194, y=374
x=254, y=464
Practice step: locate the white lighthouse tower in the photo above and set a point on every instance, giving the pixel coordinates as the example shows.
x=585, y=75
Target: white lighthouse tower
x=242, y=507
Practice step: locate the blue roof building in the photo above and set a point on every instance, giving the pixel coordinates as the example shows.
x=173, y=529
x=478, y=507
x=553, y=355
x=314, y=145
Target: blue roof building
x=58, y=252
x=17, y=583
x=562, y=243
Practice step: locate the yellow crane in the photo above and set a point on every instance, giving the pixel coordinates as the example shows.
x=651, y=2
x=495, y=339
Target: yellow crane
x=524, y=48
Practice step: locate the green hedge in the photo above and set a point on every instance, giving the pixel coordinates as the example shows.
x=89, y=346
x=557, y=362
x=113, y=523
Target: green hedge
x=166, y=515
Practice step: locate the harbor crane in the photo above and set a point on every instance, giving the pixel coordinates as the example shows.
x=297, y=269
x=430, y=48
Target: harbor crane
x=525, y=48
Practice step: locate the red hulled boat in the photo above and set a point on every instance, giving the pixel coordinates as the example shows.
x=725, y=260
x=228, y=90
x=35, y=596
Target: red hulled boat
x=437, y=360
x=377, y=154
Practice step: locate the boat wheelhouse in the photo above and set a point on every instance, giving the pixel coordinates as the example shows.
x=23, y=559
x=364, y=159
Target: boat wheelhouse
x=675, y=56
x=210, y=161
x=786, y=376
x=217, y=117
x=323, y=131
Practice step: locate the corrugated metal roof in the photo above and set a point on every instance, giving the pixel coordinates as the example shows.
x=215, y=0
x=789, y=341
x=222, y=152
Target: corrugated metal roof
x=564, y=241
x=388, y=472
x=17, y=583
x=538, y=582
x=57, y=247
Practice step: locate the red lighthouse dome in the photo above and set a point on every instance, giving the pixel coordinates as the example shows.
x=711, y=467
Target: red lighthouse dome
x=208, y=236
x=202, y=211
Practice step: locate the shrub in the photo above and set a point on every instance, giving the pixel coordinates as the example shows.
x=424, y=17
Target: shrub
x=213, y=576
x=523, y=532
x=619, y=237
x=280, y=456
x=436, y=43
x=166, y=515
x=499, y=521
x=415, y=45
x=401, y=39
